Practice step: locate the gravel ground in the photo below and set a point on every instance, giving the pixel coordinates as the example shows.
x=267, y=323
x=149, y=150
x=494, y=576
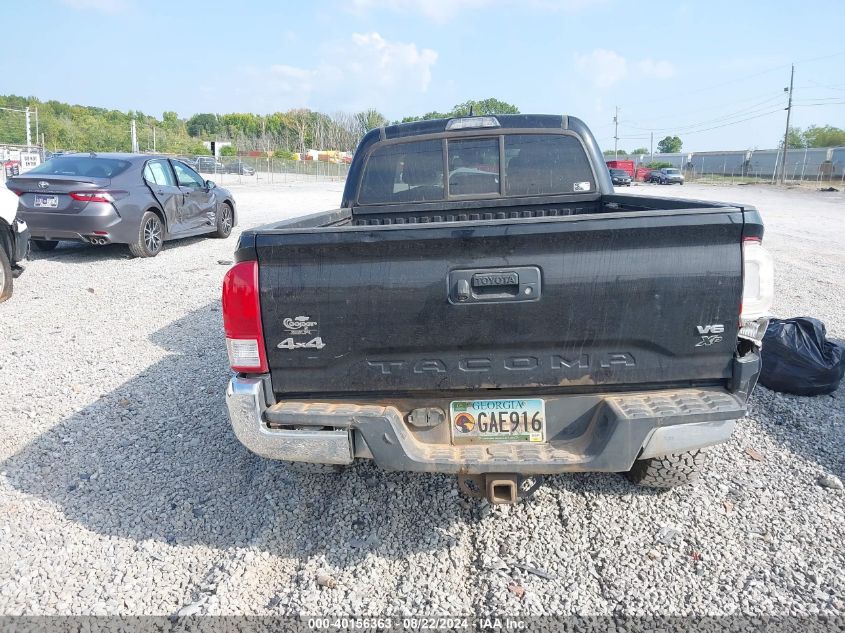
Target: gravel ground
x=123, y=490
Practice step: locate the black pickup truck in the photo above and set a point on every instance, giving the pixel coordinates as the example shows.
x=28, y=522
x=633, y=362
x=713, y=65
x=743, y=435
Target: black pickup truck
x=484, y=304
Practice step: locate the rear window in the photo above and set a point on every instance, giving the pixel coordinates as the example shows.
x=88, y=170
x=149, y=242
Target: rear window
x=534, y=164
x=542, y=164
x=92, y=167
x=404, y=172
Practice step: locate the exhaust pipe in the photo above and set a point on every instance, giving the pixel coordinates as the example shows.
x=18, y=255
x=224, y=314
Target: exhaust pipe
x=98, y=241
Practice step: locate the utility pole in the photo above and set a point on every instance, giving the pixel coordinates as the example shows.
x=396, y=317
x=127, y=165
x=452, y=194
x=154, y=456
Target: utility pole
x=652, y=147
x=154, y=138
x=37, y=135
x=616, y=135
x=786, y=133
x=134, y=137
x=28, y=127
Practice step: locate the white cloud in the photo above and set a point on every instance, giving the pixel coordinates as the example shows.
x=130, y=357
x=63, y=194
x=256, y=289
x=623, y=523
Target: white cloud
x=440, y=10
x=658, y=69
x=604, y=67
x=106, y=6
x=393, y=62
x=365, y=71
x=443, y=10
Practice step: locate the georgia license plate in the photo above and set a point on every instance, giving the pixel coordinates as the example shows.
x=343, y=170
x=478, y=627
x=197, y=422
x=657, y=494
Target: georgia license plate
x=46, y=202
x=505, y=420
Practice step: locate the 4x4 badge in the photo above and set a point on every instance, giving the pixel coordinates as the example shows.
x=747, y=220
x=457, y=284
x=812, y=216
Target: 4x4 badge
x=314, y=343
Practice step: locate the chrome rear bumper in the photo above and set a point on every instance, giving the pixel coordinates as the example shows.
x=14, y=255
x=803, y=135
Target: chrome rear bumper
x=246, y=401
x=613, y=431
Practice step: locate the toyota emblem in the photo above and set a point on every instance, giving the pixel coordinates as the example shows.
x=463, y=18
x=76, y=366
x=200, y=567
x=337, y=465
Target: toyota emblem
x=43, y=184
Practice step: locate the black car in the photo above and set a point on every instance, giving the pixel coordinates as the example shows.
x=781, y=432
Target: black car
x=240, y=167
x=208, y=165
x=620, y=177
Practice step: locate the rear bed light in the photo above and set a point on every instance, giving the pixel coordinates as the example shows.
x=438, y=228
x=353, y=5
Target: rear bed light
x=472, y=122
x=758, y=289
x=98, y=196
x=242, y=319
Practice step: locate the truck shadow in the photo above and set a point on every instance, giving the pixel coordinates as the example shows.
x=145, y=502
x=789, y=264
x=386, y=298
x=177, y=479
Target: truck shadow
x=156, y=459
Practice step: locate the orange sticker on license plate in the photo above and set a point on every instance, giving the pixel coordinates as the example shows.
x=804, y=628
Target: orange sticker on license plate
x=501, y=420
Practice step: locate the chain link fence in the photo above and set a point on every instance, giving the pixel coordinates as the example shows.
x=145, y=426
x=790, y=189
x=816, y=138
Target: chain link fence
x=265, y=170
x=824, y=166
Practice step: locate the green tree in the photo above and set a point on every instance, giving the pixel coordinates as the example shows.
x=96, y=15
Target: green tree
x=479, y=108
x=670, y=145
x=610, y=152
x=483, y=107
x=639, y=150
x=795, y=138
x=228, y=150
x=203, y=125
x=369, y=120
x=823, y=136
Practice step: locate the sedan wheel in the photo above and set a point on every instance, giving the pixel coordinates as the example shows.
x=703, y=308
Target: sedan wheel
x=150, y=236
x=225, y=220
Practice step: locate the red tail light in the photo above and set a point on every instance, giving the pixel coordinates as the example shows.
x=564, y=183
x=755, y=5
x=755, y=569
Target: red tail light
x=98, y=196
x=242, y=319
x=16, y=192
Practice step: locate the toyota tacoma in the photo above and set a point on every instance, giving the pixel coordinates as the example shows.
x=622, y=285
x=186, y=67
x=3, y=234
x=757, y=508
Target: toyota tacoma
x=482, y=303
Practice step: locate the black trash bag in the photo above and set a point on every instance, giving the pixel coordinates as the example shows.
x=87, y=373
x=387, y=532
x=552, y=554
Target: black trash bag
x=797, y=358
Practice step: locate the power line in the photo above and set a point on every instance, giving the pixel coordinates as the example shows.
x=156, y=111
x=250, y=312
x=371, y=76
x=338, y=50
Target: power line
x=810, y=105
x=743, y=78
x=752, y=109
x=751, y=118
x=769, y=96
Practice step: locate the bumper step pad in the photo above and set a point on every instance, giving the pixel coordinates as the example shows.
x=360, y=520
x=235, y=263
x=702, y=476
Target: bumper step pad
x=620, y=426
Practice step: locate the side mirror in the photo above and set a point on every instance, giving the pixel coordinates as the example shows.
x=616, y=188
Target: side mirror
x=209, y=184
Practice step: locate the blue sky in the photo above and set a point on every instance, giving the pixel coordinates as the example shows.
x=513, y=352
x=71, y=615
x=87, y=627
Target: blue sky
x=693, y=69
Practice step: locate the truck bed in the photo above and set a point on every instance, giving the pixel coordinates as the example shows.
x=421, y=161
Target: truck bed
x=620, y=286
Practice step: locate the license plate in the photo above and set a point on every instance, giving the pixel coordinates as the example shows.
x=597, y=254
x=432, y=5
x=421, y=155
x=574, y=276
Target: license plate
x=505, y=420
x=48, y=202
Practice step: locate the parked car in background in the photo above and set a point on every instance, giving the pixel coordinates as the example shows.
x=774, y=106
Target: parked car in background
x=209, y=165
x=133, y=199
x=190, y=161
x=666, y=176
x=620, y=177
x=240, y=167
x=14, y=242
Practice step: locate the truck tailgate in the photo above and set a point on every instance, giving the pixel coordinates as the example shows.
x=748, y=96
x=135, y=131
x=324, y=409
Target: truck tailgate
x=636, y=300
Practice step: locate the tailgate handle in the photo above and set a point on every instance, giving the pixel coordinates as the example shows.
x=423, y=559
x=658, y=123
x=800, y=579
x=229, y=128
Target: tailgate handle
x=486, y=285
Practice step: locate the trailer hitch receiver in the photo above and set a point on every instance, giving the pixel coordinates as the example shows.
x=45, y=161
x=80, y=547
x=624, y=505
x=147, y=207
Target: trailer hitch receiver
x=499, y=488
